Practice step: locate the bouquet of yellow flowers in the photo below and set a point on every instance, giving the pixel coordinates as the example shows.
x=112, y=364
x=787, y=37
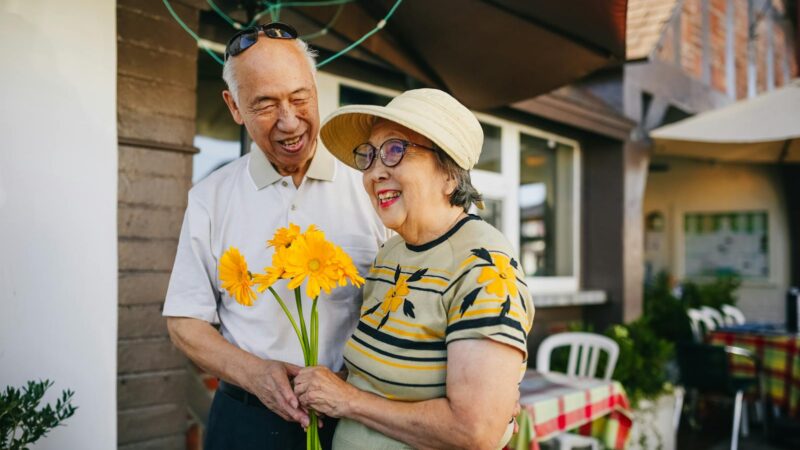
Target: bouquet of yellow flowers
x=298, y=257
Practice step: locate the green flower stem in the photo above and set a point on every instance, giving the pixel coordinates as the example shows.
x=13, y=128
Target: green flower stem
x=314, y=427
x=313, y=432
x=314, y=332
x=291, y=319
x=299, y=303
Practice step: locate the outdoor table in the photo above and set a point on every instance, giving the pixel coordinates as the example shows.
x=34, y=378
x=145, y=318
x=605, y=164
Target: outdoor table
x=779, y=352
x=553, y=403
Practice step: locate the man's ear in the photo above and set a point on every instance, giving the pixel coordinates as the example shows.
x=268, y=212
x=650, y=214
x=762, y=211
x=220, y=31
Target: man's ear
x=232, y=106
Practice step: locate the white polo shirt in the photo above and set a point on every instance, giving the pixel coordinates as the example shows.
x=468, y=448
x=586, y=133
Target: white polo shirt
x=241, y=205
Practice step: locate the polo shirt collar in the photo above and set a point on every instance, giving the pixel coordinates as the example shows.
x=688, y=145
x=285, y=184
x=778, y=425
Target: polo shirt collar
x=322, y=167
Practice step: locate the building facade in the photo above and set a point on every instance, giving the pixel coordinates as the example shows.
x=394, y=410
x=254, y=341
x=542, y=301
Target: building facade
x=704, y=217
x=565, y=176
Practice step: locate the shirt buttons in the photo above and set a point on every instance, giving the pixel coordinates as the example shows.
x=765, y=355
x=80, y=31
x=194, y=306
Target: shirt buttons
x=284, y=183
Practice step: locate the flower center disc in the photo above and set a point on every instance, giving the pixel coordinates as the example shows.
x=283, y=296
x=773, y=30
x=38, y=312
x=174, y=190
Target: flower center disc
x=313, y=265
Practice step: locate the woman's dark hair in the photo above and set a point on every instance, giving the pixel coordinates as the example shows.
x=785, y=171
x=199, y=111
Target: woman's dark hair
x=465, y=193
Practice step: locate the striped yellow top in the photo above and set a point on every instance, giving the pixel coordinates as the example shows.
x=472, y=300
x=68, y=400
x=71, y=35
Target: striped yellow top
x=417, y=299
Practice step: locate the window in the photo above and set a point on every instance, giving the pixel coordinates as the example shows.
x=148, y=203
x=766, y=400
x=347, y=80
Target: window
x=546, y=207
x=214, y=153
x=492, y=149
x=218, y=137
x=492, y=212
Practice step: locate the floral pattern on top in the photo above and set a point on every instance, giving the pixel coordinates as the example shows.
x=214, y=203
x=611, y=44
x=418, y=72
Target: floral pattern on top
x=396, y=296
x=500, y=271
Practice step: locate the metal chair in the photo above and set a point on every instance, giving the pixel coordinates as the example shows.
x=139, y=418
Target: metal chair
x=705, y=368
x=733, y=315
x=584, y=359
x=700, y=323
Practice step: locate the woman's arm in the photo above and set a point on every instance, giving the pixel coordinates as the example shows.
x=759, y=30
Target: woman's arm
x=482, y=392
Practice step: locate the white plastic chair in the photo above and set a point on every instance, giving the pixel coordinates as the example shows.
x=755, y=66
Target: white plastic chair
x=700, y=323
x=584, y=353
x=733, y=315
x=715, y=315
x=584, y=356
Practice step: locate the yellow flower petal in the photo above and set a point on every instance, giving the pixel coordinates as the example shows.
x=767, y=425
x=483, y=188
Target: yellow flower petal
x=284, y=236
x=501, y=277
x=235, y=277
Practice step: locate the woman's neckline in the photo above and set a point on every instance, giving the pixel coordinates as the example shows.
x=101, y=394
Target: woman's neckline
x=429, y=245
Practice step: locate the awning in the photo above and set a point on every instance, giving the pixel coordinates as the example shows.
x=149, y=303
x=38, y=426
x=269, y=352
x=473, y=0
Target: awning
x=764, y=129
x=487, y=53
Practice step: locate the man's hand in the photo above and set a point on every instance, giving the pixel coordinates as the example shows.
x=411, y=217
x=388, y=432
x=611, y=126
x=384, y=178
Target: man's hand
x=267, y=380
x=270, y=383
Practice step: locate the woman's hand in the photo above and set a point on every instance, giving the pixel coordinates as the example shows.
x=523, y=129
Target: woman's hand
x=323, y=391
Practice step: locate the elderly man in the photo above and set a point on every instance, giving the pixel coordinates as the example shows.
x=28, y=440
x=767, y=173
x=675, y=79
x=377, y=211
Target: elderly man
x=288, y=177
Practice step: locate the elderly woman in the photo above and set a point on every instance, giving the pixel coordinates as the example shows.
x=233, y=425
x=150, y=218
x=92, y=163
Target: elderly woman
x=437, y=356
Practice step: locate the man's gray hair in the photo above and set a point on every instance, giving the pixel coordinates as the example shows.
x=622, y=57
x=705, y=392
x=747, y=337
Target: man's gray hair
x=465, y=193
x=230, y=78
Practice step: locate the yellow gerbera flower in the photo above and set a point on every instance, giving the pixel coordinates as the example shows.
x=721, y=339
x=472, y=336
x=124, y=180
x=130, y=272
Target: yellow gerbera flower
x=312, y=257
x=347, y=270
x=284, y=236
x=235, y=277
x=313, y=230
x=502, y=277
x=394, y=297
x=272, y=273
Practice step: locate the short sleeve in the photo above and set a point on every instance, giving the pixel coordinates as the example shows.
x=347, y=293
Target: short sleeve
x=191, y=292
x=490, y=300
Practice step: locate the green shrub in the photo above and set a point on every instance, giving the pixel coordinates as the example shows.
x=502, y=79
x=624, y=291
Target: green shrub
x=643, y=358
x=716, y=293
x=21, y=423
x=666, y=313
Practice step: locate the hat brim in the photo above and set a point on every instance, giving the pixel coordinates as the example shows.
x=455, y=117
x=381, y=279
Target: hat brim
x=350, y=126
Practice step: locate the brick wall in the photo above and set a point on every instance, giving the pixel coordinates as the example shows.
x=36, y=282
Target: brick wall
x=156, y=84
x=771, y=24
x=717, y=43
x=692, y=38
x=740, y=22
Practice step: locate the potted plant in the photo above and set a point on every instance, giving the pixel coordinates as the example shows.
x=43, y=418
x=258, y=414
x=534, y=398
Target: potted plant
x=642, y=370
x=22, y=421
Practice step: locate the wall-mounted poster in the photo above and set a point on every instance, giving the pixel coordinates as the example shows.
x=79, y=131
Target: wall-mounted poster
x=727, y=243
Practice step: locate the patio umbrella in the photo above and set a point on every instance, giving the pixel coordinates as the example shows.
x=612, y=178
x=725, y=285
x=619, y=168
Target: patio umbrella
x=764, y=129
x=487, y=53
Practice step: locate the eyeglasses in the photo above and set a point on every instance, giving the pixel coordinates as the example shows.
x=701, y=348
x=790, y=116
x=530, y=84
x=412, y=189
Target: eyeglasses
x=391, y=153
x=246, y=38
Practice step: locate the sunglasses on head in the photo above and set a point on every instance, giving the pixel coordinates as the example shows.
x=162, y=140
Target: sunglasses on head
x=246, y=38
x=390, y=152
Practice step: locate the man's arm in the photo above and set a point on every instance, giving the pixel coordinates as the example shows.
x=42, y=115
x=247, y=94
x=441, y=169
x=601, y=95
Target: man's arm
x=267, y=379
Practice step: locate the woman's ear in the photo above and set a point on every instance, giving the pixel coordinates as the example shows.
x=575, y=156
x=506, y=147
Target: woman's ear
x=450, y=186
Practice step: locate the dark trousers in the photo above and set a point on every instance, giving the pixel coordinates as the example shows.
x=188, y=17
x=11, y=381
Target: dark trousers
x=236, y=425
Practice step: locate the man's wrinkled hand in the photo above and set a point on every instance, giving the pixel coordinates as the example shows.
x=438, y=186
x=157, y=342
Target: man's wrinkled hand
x=271, y=385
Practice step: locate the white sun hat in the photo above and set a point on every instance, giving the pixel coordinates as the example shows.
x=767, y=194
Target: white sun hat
x=430, y=112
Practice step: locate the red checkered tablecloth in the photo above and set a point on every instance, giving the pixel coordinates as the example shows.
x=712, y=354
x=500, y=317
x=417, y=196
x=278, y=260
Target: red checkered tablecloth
x=554, y=403
x=780, y=356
